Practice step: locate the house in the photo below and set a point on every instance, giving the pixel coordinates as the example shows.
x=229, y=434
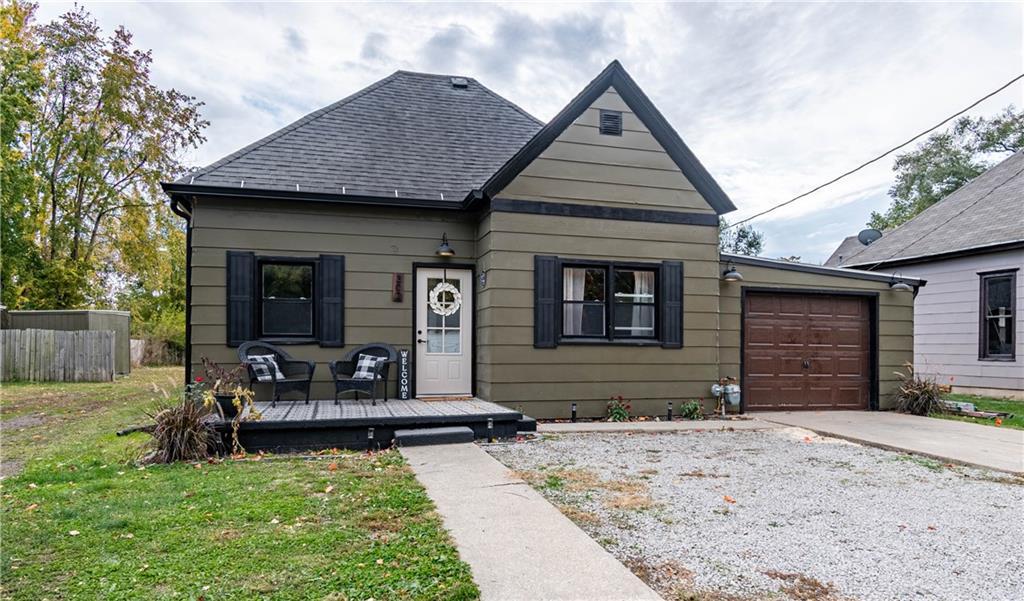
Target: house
x=585, y=263
x=970, y=248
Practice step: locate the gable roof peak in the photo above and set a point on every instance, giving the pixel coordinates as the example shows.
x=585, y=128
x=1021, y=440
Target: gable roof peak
x=615, y=75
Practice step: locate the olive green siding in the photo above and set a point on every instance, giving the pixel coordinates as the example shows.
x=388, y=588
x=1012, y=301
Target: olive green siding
x=583, y=166
x=895, y=319
x=543, y=381
x=376, y=243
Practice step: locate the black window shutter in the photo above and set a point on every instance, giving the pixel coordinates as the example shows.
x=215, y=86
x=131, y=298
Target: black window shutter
x=241, y=293
x=671, y=317
x=546, y=299
x=331, y=297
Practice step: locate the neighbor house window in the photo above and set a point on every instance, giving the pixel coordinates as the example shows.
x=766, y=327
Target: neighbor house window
x=998, y=304
x=286, y=299
x=608, y=301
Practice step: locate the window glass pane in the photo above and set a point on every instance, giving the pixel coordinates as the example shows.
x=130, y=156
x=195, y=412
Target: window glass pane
x=582, y=284
x=452, y=341
x=998, y=296
x=287, y=281
x=635, y=320
x=1000, y=336
x=634, y=286
x=292, y=317
x=583, y=319
x=453, y=320
x=434, y=340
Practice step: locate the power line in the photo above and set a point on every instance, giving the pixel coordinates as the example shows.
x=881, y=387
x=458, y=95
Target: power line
x=883, y=155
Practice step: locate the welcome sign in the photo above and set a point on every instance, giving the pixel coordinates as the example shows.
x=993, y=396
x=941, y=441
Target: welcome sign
x=404, y=388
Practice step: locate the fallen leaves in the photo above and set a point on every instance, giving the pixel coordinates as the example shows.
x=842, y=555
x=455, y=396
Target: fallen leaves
x=332, y=466
x=32, y=507
x=74, y=533
x=329, y=489
x=729, y=500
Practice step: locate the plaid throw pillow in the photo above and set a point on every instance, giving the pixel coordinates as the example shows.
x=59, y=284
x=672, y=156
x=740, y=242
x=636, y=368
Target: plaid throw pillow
x=261, y=366
x=366, y=367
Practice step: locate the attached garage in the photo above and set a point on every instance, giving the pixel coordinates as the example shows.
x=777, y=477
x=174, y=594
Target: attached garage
x=800, y=337
x=807, y=350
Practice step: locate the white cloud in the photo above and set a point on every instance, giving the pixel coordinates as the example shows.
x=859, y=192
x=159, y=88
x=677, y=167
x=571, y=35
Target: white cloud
x=774, y=99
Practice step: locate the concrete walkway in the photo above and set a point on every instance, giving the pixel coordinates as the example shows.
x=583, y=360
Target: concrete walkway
x=516, y=543
x=947, y=440
x=682, y=426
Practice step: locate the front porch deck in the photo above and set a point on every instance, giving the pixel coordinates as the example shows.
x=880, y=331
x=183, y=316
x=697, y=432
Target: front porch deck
x=295, y=426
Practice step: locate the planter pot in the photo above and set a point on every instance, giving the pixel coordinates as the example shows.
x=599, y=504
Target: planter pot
x=227, y=404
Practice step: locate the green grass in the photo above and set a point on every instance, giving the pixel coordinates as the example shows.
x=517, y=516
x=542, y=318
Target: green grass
x=988, y=404
x=353, y=527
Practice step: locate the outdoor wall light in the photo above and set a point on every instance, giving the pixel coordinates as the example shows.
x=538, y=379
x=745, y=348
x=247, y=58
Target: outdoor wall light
x=900, y=285
x=731, y=275
x=445, y=249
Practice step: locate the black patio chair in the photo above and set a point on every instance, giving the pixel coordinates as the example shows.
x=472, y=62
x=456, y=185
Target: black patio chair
x=298, y=374
x=342, y=371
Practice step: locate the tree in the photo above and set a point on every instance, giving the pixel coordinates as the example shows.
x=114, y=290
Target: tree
x=90, y=139
x=740, y=240
x=948, y=160
x=21, y=79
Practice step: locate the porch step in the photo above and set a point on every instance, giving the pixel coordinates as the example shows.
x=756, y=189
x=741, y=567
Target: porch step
x=526, y=424
x=426, y=436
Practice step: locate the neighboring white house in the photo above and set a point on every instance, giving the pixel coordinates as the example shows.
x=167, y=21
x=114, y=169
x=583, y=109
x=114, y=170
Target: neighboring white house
x=970, y=249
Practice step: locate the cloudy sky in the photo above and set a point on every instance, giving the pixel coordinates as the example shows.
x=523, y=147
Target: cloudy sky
x=774, y=99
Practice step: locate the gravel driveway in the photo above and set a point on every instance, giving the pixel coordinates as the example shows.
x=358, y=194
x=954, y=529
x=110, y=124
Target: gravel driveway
x=784, y=513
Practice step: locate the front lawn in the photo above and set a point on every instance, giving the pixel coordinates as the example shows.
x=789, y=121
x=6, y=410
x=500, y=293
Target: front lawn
x=987, y=404
x=79, y=522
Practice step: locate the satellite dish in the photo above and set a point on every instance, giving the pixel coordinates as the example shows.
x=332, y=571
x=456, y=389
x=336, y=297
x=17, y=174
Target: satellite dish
x=866, y=237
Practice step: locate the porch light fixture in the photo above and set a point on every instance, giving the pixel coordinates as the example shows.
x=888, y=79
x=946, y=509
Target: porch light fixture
x=899, y=285
x=731, y=275
x=445, y=249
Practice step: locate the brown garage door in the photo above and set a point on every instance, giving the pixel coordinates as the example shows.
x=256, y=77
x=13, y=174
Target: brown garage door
x=806, y=351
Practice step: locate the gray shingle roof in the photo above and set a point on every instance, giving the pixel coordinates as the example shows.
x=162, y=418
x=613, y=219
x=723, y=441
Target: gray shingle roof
x=849, y=246
x=410, y=132
x=986, y=211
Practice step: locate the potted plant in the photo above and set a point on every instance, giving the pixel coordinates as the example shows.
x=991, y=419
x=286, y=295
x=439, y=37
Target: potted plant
x=224, y=388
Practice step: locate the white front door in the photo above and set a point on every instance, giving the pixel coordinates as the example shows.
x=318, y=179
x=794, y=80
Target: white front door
x=444, y=327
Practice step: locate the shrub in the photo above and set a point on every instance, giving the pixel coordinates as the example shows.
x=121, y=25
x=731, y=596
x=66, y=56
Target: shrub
x=183, y=431
x=917, y=395
x=692, y=410
x=618, y=409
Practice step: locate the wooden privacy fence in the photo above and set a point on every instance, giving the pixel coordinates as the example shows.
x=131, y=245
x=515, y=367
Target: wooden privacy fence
x=57, y=356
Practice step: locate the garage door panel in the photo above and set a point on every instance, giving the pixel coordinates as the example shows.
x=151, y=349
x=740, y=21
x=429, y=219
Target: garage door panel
x=852, y=366
x=819, y=336
x=795, y=306
x=760, y=335
x=762, y=305
x=806, y=351
x=820, y=306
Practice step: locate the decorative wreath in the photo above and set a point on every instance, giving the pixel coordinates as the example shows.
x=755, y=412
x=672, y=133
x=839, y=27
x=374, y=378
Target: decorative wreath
x=445, y=308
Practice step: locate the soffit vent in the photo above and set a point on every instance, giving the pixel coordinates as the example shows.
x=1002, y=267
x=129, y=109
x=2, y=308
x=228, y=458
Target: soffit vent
x=460, y=83
x=611, y=123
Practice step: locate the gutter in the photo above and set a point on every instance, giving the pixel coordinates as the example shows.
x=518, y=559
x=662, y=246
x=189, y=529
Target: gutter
x=175, y=190
x=952, y=254
x=841, y=272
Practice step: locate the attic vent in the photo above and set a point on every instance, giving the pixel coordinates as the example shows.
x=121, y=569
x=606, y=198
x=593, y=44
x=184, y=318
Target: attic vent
x=611, y=123
x=460, y=83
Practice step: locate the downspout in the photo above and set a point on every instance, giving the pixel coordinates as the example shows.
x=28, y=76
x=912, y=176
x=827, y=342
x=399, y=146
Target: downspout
x=183, y=208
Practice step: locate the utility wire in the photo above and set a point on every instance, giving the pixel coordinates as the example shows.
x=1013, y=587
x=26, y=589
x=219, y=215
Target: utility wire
x=881, y=156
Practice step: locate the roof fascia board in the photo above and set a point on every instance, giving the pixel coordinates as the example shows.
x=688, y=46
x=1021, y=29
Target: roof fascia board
x=952, y=254
x=614, y=75
x=839, y=272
